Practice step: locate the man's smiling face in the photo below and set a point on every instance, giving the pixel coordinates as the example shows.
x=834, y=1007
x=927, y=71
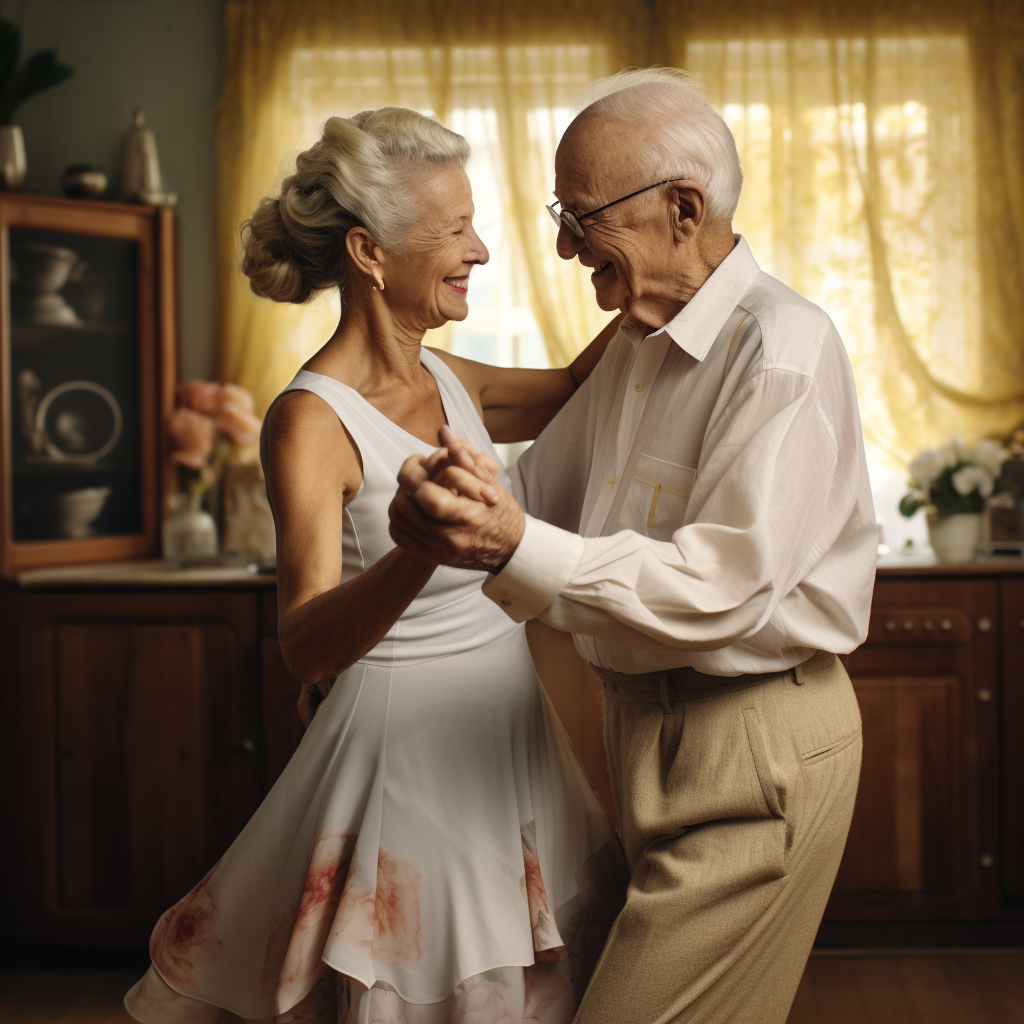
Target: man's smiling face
x=626, y=244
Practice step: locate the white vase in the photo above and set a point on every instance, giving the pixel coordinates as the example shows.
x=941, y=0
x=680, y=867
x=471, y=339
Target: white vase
x=954, y=538
x=190, y=532
x=12, y=157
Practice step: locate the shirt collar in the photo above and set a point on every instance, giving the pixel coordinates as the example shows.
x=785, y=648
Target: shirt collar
x=695, y=327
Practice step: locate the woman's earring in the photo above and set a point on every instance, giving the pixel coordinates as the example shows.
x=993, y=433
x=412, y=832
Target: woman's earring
x=379, y=278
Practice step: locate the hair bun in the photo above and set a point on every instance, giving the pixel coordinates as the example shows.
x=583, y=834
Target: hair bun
x=294, y=245
x=268, y=260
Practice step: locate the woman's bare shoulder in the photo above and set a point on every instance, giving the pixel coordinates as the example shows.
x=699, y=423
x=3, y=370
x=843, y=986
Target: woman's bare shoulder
x=305, y=438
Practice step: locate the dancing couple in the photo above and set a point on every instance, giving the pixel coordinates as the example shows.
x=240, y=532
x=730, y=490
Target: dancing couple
x=695, y=511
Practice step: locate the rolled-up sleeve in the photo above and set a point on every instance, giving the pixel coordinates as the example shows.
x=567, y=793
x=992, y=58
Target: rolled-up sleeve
x=752, y=529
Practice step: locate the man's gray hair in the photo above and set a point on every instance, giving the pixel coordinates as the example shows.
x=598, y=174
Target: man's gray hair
x=692, y=140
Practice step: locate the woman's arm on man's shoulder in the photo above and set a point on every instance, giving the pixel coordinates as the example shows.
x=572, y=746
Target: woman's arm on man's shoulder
x=517, y=404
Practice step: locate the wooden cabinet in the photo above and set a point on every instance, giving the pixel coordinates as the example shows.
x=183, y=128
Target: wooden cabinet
x=1013, y=736
x=88, y=352
x=133, y=739
x=141, y=726
x=924, y=842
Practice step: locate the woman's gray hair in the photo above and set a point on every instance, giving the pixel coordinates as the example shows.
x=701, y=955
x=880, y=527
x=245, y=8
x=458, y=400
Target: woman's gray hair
x=358, y=173
x=691, y=139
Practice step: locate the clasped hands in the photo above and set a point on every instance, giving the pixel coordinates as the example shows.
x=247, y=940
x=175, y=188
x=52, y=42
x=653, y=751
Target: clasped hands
x=450, y=508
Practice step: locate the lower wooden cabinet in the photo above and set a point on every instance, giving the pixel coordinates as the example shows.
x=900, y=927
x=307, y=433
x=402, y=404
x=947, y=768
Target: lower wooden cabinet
x=924, y=843
x=132, y=735
x=139, y=730
x=1013, y=737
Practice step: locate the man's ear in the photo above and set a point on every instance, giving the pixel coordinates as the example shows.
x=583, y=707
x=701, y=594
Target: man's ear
x=689, y=209
x=364, y=252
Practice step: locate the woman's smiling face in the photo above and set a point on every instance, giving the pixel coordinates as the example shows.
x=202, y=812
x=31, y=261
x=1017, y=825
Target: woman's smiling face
x=427, y=282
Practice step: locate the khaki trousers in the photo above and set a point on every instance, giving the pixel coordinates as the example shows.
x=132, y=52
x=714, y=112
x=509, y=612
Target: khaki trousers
x=735, y=799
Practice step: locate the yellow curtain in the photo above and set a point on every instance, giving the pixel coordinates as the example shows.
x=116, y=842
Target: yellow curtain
x=883, y=147
x=290, y=65
x=872, y=157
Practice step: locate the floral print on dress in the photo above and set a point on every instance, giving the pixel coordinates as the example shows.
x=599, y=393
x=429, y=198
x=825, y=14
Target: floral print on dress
x=297, y=936
x=186, y=936
x=546, y=941
x=396, y=931
x=387, y=918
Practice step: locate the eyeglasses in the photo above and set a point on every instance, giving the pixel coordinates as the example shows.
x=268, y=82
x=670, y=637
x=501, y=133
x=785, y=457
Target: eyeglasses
x=572, y=220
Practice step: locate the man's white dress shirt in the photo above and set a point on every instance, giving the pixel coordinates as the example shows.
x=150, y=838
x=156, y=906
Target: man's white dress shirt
x=703, y=499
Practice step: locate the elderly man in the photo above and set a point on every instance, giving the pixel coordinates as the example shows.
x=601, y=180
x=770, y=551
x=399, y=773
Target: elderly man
x=698, y=516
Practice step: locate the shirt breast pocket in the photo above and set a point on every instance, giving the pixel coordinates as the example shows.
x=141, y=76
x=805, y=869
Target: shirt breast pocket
x=657, y=497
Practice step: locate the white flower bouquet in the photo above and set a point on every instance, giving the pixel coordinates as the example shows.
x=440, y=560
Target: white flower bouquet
x=955, y=479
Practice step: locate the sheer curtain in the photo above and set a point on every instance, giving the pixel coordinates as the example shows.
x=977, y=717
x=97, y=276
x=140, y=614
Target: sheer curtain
x=503, y=78
x=883, y=147
x=862, y=193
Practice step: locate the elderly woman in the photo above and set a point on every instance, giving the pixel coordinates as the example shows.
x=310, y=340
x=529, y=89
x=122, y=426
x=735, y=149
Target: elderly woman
x=433, y=851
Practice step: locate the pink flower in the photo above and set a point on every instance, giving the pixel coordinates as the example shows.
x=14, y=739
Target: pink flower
x=236, y=418
x=236, y=395
x=193, y=434
x=186, y=936
x=546, y=940
x=201, y=395
x=298, y=936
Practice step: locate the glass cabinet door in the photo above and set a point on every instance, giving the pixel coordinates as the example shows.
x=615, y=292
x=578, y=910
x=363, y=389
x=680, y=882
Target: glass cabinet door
x=76, y=453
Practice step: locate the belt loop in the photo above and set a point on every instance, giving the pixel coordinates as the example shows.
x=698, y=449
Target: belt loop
x=798, y=674
x=666, y=701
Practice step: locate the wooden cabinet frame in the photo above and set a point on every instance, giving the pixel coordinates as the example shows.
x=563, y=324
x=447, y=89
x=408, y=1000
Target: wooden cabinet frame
x=153, y=228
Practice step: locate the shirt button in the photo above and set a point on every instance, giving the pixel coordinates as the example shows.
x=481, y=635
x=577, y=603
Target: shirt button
x=611, y=480
x=638, y=386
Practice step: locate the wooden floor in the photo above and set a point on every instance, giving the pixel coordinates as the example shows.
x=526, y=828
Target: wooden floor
x=949, y=987
x=870, y=988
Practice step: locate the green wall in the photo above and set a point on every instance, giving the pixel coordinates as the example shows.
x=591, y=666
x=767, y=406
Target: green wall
x=165, y=56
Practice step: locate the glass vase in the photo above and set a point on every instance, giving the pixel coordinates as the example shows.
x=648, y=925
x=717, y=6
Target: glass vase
x=190, y=532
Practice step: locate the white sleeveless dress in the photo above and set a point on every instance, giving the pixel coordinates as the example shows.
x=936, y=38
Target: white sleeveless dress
x=432, y=842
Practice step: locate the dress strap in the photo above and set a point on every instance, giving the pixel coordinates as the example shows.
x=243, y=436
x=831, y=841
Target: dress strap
x=468, y=422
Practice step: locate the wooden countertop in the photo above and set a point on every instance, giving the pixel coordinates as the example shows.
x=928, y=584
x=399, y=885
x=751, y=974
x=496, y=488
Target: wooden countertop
x=926, y=565
x=160, y=574
x=145, y=574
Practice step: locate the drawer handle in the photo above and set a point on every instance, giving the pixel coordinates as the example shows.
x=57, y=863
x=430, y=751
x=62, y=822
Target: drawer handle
x=908, y=626
x=890, y=625
x=946, y=625
x=984, y=625
x=247, y=746
x=984, y=695
x=987, y=860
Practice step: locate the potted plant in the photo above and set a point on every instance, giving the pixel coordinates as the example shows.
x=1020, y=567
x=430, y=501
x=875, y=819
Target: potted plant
x=213, y=424
x=953, y=484
x=17, y=84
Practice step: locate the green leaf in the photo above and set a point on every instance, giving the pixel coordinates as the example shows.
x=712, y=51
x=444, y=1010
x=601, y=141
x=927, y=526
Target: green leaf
x=41, y=71
x=909, y=505
x=10, y=50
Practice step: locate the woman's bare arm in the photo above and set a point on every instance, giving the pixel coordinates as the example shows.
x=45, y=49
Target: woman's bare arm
x=517, y=404
x=312, y=470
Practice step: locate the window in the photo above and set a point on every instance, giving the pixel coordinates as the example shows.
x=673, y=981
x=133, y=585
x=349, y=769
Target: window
x=860, y=193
